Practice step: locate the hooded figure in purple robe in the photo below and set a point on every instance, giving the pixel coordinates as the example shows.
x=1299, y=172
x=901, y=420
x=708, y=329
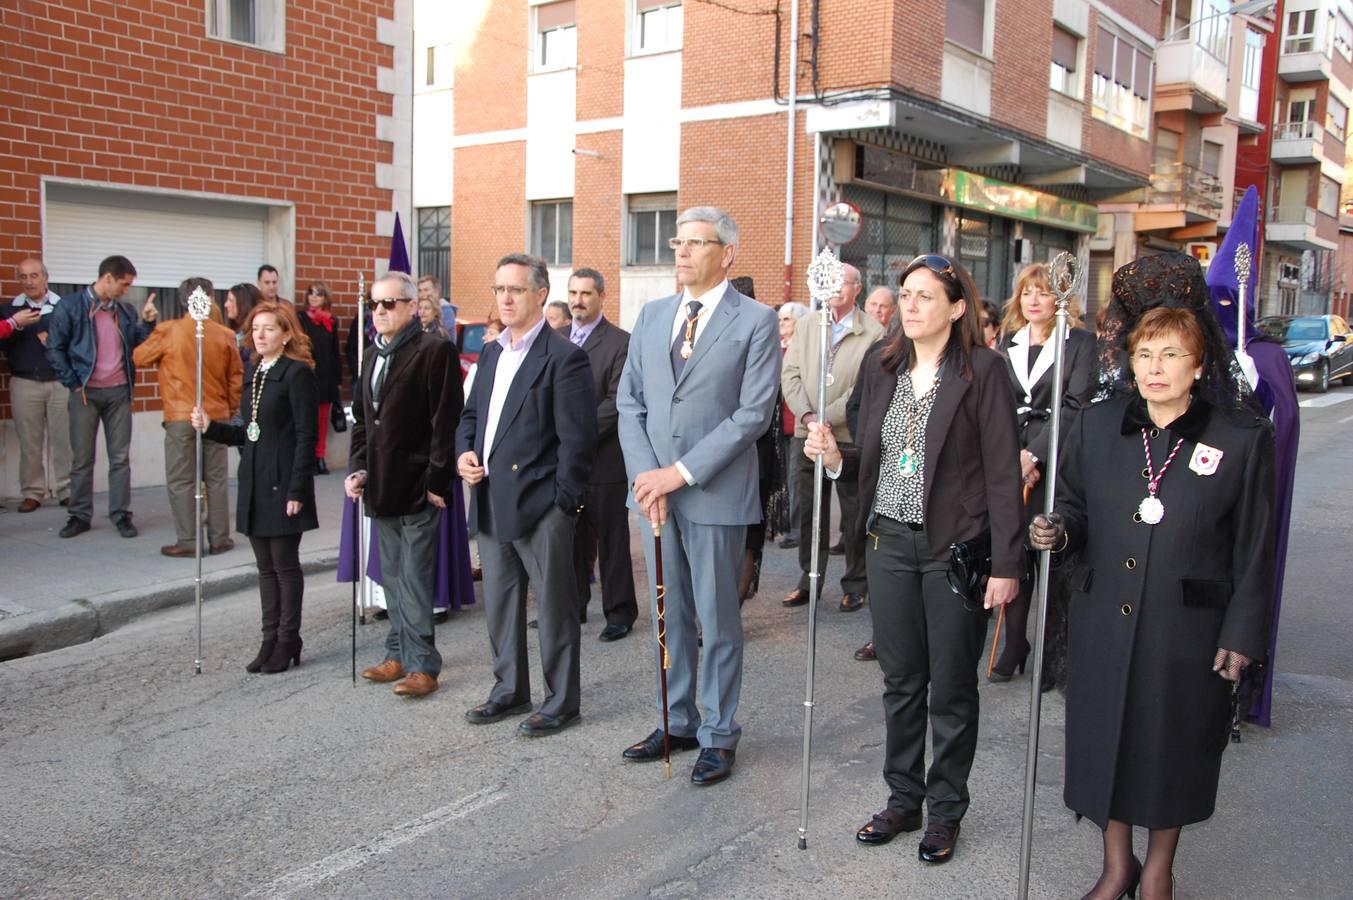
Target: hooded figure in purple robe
x=1276, y=391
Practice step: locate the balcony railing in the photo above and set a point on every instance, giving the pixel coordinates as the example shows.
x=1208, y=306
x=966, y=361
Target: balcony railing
x=1187, y=186
x=1294, y=131
x=1292, y=215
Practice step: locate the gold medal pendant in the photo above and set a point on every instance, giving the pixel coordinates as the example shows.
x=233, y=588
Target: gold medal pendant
x=686, y=350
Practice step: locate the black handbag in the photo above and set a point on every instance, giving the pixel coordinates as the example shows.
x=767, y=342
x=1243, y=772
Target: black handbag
x=969, y=565
x=338, y=417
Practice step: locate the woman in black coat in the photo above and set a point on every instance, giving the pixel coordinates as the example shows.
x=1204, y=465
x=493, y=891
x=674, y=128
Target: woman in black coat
x=1167, y=490
x=321, y=328
x=937, y=467
x=276, y=477
x=1026, y=342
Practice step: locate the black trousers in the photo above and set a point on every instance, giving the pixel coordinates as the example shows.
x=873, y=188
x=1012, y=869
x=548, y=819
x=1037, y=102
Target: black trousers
x=280, y=585
x=847, y=492
x=606, y=521
x=928, y=645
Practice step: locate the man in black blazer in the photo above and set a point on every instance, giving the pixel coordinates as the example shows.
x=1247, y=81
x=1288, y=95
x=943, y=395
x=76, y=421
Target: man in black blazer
x=525, y=445
x=604, y=521
x=404, y=424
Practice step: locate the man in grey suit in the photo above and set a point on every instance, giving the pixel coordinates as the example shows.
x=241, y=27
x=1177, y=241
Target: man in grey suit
x=699, y=387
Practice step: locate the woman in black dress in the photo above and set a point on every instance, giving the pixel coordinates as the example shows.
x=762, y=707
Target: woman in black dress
x=277, y=492
x=1167, y=491
x=1026, y=342
x=320, y=327
x=240, y=301
x=937, y=467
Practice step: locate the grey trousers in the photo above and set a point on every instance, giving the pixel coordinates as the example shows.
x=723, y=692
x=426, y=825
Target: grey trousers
x=928, y=647
x=86, y=409
x=700, y=570
x=544, y=558
x=179, y=471
x=408, y=548
x=40, y=416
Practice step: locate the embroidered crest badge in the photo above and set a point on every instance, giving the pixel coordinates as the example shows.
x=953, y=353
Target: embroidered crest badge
x=1205, y=459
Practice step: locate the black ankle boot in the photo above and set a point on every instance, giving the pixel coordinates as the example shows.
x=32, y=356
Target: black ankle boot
x=284, y=654
x=264, y=654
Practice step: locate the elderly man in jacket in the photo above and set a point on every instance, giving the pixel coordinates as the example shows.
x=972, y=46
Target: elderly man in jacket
x=89, y=343
x=172, y=350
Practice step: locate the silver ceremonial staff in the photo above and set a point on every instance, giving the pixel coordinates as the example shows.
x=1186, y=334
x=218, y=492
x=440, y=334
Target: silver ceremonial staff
x=199, y=307
x=359, y=581
x=826, y=278
x=1067, y=277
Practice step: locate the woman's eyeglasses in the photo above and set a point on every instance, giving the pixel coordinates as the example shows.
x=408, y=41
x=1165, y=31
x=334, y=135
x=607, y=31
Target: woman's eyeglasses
x=388, y=304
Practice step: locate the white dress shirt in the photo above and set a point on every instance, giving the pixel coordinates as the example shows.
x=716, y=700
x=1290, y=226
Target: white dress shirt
x=509, y=362
x=709, y=301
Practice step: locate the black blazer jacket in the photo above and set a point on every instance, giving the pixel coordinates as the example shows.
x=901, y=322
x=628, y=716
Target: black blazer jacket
x=972, y=475
x=280, y=465
x=607, y=348
x=1033, y=395
x=547, y=432
x=406, y=445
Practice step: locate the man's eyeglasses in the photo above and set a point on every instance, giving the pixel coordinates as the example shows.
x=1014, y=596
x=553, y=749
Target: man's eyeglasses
x=388, y=304
x=516, y=292
x=677, y=243
x=1168, y=357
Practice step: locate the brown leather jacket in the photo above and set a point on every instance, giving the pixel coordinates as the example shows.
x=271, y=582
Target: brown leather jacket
x=172, y=347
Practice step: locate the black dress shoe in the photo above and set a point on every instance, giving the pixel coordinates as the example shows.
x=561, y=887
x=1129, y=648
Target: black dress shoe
x=534, y=623
x=650, y=748
x=539, y=724
x=714, y=765
x=788, y=543
x=125, y=527
x=887, y=825
x=614, y=632
x=321, y=467
x=440, y=616
x=839, y=548
x=73, y=527
x=851, y=602
x=380, y=615
x=490, y=712
x=796, y=597
x=938, y=844
x=867, y=653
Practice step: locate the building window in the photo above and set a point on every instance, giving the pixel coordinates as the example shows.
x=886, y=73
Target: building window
x=1122, y=83
x=1249, y=75
x=1064, y=50
x=434, y=243
x=1336, y=117
x=556, y=36
x=1210, y=159
x=1328, y=199
x=1343, y=38
x=255, y=22
x=652, y=223
x=552, y=231
x=657, y=25
x=1300, y=36
x=965, y=23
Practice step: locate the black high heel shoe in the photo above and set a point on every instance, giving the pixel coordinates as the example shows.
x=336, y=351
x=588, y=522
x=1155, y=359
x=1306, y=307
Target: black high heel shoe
x=1130, y=890
x=1001, y=675
x=264, y=654
x=283, y=655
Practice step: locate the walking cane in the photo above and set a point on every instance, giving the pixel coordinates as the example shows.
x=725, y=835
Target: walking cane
x=199, y=307
x=1000, y=613
x=1068, y=278
x=664, y=661
x=826, y=278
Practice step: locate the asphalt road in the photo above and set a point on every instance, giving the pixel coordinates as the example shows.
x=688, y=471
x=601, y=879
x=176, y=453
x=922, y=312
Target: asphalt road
x=124, y=775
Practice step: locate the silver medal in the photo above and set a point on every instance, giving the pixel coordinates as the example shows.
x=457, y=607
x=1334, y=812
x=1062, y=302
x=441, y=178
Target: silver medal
x=686, y=349
x=906, y=463
x=1151, y=510
x=831, y=379
x=253, y=431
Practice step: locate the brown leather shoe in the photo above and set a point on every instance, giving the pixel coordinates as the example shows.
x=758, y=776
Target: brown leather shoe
x=176, y=550
x=28, y=504
x=417, y=684
x=866, y=653
x=390, y=670
x=224, y=546
x=796, y=597
x=851, y=602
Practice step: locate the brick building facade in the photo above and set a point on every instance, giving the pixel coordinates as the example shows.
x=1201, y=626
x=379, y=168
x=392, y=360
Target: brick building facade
x=199, y=138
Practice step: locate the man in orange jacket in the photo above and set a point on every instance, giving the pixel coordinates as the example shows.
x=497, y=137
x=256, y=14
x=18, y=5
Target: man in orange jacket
x=172, y=349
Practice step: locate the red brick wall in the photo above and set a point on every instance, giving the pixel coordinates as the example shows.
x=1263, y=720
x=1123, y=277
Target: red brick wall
x=488, y=218
x=491, y=73
x=597, y=236
x=134, y=93
x=601, y=49
x=1022, y=55
x=918, y=46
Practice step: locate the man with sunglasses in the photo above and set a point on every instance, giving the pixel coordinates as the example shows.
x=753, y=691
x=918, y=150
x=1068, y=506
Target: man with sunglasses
x=405, y=415
x=699, y=387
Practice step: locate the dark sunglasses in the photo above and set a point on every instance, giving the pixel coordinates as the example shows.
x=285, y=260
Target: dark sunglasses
x=935, y=263
x=388, y=304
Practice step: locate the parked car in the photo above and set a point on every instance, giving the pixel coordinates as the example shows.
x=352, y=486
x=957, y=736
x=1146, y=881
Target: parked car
x=1320, y=348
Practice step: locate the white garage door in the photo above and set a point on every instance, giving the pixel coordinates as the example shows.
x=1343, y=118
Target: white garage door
x=168, y=238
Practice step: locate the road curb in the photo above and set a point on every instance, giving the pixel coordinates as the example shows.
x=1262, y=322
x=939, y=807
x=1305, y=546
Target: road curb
x=85, y=619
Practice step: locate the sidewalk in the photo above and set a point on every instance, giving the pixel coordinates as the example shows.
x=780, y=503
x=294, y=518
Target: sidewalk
x=55, y=592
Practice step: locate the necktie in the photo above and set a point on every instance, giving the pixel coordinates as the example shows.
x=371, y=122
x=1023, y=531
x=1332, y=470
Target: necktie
x=685, y=334
x=578, y=338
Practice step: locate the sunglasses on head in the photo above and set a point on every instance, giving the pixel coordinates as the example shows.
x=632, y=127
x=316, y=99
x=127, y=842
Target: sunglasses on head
x=935, y=263
x=388, y=304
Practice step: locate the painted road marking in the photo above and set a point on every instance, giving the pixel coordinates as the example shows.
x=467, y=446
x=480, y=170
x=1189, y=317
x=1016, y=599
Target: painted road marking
x=1345, y=420
x=360, y=854
x=1327, y=400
